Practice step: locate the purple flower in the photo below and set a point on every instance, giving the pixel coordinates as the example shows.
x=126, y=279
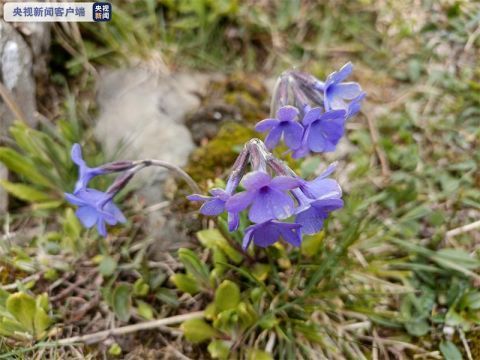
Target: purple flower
x=95, y=207
x=285, y=124
x=336, y=93
x=85, y=173
x=312, y=213
x=266, y=196
x=316, y=199
x=269, y=232
x=355, y=105
x=323, y=129
x=322, y=187
x=215, y=205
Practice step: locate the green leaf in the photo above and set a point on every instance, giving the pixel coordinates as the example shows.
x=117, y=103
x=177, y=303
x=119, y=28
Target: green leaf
x=167, y=296
x=246, y=315
x=3, y=297
x=71, y=224
x=42, y=301
x=144, y=310
x=219, y=258
x=107, y=266
x=268, y=321
x=219, y=349
x=47, y=205
x=24, y=192
x=22, y=165
x=312, y=244
x=115, y=350
x=226, y=321
x=458, y=257
x=255, y=354
x=23, y=308
x=12, y=328
x=121, y=298
x=42, y=321
x=471, y=300
x=197, y=330
x=227, y=296
x=185, y=283
x=194, y=266
x=417, y=327
x=450, y=351
x=212, y=238
x=261, y=271
x=141, y=288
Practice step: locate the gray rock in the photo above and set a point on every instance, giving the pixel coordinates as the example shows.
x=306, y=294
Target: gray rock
x=16, y=74
x=142, y=117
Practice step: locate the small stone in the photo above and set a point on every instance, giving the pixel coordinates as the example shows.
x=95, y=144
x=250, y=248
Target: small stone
x=142, y=117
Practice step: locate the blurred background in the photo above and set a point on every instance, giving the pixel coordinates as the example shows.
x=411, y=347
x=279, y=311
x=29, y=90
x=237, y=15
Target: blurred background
x=184, y=81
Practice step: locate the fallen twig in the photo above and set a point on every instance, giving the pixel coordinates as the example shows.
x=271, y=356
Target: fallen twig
x=463, y=229
x=102, y=335
x=13, y=286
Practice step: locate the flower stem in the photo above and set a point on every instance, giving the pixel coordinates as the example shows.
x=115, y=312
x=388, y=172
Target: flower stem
x=175, y=169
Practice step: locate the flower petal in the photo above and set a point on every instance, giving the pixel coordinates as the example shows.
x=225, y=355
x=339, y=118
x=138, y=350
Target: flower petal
x=102, y=228
x=337, y=115
x=287, y=113
x=340, y=75
x=290, y=233
x=325, y=134
x=355, y=105
x=269, y=205
x=239, y=201
x=213, y=207
x=311, y=221
x=220, y=194
x=266, y=235
x=247, y=238
x=233, y=221
x=329, y=170
x=293, y=133
x=321, y=188
x=312, y=115
x=197, y=197
x=333, y=102
x=327, y=205
x=255, y=180
x=76, y=155
x=116, y=213
x=266, y=124
x=347, y=90
x=316, y=140
x=283, y=183
x=273, y=137
x=87, y=215
x=74, y=200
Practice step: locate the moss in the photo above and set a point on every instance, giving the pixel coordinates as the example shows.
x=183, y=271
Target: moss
x=473, y=338
x=239, y=98
x=213, y=159
x=249, y=95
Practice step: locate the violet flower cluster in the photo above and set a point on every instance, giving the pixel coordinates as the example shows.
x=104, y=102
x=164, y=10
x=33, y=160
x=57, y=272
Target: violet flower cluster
x=96, y=207
x=310, y=115
x=280, y=204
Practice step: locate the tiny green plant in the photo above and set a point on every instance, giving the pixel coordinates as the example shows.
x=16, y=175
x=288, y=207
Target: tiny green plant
x=23, y=316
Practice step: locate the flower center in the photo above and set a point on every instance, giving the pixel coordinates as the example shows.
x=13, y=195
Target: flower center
x=264, y=189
